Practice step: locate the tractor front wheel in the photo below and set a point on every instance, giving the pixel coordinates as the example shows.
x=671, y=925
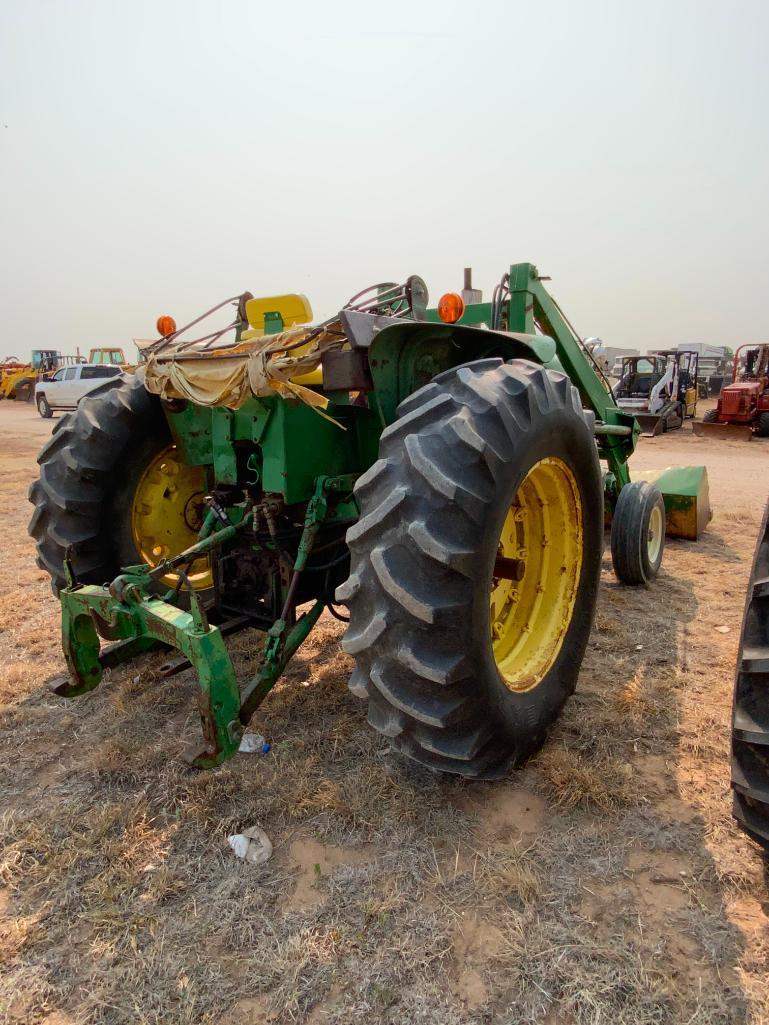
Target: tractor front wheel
x=475, y=566
x=638, y=533
x=763, y=426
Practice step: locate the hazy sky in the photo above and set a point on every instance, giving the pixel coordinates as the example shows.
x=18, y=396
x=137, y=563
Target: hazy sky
x=160, y=156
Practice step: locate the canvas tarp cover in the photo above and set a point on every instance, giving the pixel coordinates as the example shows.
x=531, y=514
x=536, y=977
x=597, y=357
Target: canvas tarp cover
x=230, y=376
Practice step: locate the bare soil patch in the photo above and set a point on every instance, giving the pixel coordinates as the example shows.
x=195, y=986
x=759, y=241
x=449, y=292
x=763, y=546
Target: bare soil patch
x=604, y=882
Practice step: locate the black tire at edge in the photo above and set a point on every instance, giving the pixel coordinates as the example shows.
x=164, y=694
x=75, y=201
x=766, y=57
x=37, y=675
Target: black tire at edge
x=750, y=709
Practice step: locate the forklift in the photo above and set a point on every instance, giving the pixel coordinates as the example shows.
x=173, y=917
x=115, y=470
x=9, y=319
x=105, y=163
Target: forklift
x=659, y=389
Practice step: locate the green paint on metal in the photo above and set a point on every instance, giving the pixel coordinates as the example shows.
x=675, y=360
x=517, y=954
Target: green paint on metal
x=687, y=498
x=273, y=323
x=531, y=304
x=404, y=357
x=149, y=621
x=299, y=446
x=285, y=443
x=126, y=612
x=225, y=461
x=279, y=650
x=191, y=430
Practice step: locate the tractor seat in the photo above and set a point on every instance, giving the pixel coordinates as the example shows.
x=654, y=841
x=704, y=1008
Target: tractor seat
x=268, y=315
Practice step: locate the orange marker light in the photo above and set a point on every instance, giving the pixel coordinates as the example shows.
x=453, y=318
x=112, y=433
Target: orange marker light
x=166, y=325
x=451, y=307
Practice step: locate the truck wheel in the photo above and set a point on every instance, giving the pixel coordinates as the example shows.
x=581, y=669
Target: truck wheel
x=43, y=408
x=763, y=426
x=638, y=533
x=475, y=566
x=711, y=417
x=113, y=491
x=750, y=712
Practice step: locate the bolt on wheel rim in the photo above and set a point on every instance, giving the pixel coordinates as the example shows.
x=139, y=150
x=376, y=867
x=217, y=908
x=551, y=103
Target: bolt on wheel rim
x=543, y=537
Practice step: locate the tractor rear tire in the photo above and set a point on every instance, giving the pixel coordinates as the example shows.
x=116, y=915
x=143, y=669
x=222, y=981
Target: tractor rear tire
x=480, y=448
x=763, y=426
x=750, y=712
x=711, y=417
x=83, y=468
x=638, y=533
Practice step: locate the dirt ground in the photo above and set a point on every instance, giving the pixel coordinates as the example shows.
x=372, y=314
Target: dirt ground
x=603, y=883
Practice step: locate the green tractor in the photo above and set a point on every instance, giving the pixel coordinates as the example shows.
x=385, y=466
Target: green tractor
x=431, y=476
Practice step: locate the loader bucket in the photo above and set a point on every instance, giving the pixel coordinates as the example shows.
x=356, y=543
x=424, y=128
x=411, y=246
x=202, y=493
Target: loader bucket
x=650, y=424
x=729, y=432
x=687, y=502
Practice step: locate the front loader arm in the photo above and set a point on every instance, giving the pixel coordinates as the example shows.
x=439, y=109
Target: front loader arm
x=532, y=306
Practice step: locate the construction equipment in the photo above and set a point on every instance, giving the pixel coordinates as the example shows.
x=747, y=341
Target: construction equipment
x=18, y=382
x=597, y=350
x=750, y=711
x=743, y=405
x=660, y=389
x=435, y=470
x=712, y=363
x=9, y=368
x=615, y=356
x=112, y=356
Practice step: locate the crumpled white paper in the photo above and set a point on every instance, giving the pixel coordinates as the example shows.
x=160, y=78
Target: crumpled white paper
x=251, y=845
x=253, y=743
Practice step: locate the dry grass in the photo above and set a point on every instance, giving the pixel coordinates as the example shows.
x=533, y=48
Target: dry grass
x=579, y=782
x=554, y=897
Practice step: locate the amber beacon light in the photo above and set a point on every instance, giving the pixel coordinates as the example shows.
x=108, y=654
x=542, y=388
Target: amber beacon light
x=165, y=325
x=451, y=307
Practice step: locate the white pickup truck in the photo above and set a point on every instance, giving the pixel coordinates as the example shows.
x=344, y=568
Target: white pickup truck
x=69, y=384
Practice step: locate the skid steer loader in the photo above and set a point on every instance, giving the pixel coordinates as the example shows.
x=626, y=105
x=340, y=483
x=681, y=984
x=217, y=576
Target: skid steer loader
x=660, y=389
x=431, y=476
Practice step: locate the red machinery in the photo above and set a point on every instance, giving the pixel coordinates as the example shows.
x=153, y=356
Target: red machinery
x=745, y=402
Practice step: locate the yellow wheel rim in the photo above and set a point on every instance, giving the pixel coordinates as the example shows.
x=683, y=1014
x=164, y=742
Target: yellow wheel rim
x=167, y=514
x=656, y=532
x=541, y=542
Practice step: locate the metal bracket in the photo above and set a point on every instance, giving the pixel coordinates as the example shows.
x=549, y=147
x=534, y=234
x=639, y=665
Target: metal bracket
x=124, y=612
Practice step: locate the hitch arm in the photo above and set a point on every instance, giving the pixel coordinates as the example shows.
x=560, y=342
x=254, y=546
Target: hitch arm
x=142, y=625
x=126, y=614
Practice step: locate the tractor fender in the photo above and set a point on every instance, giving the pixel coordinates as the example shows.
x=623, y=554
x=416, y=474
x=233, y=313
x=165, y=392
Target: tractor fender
x=406, y=356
